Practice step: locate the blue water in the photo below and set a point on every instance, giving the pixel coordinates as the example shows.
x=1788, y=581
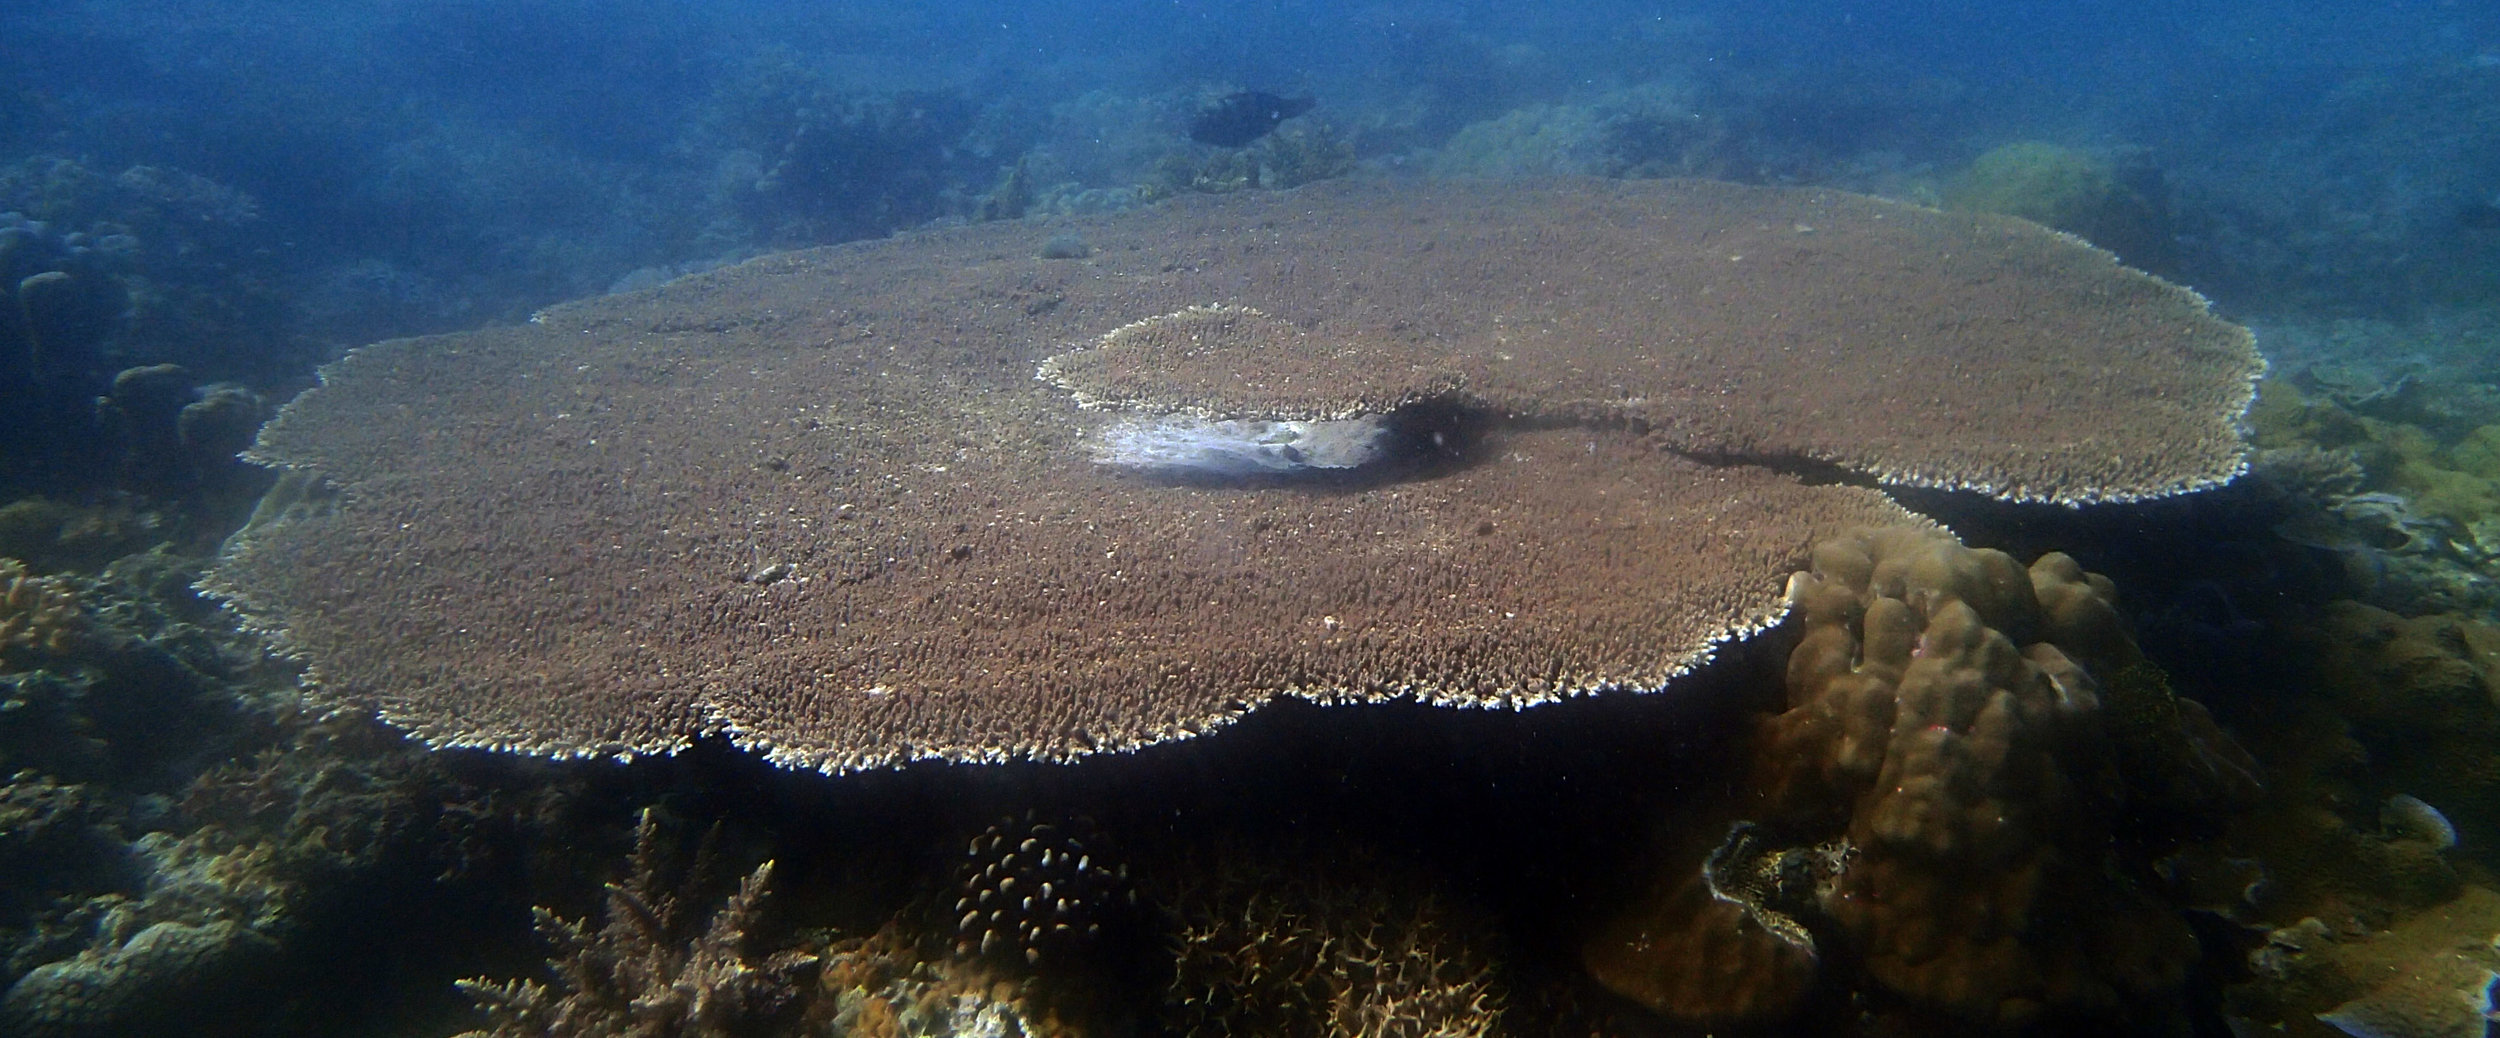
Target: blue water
x=246, y=189
x=499, y=155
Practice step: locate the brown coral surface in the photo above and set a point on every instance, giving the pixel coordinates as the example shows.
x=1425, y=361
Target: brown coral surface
x=1943, y=349
x=819, y=502
x=1958, y=785
x=2428, y=975
x=38, y=613
x=2422, y=694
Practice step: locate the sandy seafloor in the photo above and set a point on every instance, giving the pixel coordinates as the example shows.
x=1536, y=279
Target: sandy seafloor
x=2280, y=813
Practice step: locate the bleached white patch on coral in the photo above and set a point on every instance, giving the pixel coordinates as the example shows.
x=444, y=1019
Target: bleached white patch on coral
x=1233, y=447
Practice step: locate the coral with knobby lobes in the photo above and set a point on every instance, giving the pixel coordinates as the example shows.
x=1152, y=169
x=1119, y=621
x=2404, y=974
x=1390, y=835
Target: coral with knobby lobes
x=1959, y=795
x=819, y=504
x=39, y=613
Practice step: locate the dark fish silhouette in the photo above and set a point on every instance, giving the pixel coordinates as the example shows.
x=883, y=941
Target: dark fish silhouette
x=1239, y=118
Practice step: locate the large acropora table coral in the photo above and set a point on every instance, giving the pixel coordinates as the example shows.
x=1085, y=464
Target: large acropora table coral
x=819, y=503
x=1944, y=799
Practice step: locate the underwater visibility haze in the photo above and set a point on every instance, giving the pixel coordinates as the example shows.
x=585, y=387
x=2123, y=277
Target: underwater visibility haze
x=753, y=517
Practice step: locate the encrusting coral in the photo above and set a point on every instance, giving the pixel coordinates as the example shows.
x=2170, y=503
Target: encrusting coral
x=817, y=502
x=1968, y=777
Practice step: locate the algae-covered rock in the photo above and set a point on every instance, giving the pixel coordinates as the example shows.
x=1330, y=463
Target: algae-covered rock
x=1652, y=130
x=1536, y=140
x=170, y=978
x=2428, y=976
x=2415, y=517
x=1284, y=159
x=2423, y=695
x=2479, y=453
x=2119, y=207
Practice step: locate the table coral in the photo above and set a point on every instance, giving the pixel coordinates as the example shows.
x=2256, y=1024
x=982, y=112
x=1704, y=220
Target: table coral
x=546, y=556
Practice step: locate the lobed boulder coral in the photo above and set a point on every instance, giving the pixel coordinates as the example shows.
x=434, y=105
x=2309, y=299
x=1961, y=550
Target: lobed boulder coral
x=149, y=279
x=1959, y=798
x=37, y=614
x=167, y=978
x=178, y=441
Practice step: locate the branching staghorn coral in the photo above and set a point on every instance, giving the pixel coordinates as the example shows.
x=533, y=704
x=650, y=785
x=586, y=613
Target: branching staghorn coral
x=1262, y=950
x=639, y=974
